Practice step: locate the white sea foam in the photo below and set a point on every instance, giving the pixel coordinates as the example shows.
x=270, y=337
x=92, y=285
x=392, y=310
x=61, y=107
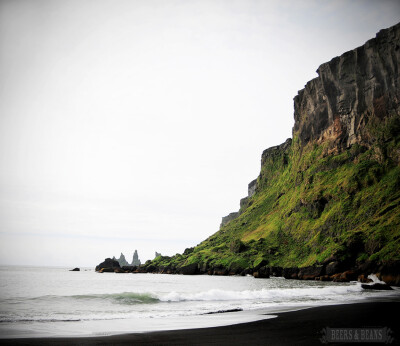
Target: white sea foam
x=375, y=279
x=263, y=294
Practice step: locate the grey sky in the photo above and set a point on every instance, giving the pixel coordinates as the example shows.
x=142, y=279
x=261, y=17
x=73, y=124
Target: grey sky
x=138, y=124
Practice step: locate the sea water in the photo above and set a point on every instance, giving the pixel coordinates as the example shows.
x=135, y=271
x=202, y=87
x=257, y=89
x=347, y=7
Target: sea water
x=37, y=301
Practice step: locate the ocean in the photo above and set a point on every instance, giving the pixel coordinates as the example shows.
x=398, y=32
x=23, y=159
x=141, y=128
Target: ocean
x=49, y=301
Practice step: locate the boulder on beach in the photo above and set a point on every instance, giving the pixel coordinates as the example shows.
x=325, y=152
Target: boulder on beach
x=75, y=270
x=377, y=286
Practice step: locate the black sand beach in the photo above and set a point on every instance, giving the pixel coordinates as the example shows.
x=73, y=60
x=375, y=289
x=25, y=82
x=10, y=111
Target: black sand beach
x=303, y=327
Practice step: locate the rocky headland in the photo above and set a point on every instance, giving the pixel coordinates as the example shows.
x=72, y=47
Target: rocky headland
x=326, y=204
x=123, y=262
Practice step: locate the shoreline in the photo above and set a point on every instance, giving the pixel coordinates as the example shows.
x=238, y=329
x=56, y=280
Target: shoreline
x=331, y=270
x=300, y=327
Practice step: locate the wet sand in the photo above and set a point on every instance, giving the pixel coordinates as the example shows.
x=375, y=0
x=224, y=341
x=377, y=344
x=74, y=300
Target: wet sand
x=303, y=327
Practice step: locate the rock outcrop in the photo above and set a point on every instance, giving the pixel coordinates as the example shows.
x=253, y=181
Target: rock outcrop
x=279, y=151
x=109, y=265
x=244, y=203
x=252, y=187
x=268, y=154
x=122, y=260
x=352, y=94
x=229, y=218
x=135, y=259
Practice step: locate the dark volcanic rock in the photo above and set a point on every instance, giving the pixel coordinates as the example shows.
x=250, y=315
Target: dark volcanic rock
x=141, y=269
x=108, y=264
x=276, y=271
x=290, y=273
x=217, y=270
x=120, y=271
x=235, y=269
x=75, y=270
x=166, y=270
x=203, y=267
x=364, y=279
x=332, y=268
x=368, y=267
x=310, y=273
x=106, y=270
x=220, y=271
x=189, y=269
x=347, y=276
x=325, y=278
x=376, y=286
x=262, y=273
x=351, y=91
x=129, y=269
x=263, y=263
x=248, y=271
x=389, y=272
x=151, y=268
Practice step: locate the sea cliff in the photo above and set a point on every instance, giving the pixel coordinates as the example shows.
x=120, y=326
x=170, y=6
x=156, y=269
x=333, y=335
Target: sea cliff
x=326, y=204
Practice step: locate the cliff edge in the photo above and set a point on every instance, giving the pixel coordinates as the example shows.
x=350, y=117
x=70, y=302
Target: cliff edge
x=352, y=94
x=326, y=204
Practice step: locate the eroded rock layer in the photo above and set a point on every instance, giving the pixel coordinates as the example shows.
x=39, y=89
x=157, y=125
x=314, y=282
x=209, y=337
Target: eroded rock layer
x=351, y=94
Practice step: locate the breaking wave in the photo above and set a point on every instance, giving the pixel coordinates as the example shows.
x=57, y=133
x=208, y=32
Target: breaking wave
x=266, y=295
x=126, y=298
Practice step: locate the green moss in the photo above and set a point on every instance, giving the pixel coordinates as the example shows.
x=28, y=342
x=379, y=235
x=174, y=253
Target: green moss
x=312, y=205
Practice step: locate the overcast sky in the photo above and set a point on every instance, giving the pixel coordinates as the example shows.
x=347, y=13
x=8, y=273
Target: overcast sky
x=138, y=124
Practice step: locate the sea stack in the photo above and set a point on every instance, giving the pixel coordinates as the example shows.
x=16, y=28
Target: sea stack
x=135, y=259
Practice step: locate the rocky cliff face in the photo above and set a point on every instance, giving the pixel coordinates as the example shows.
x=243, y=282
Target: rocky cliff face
x=352, y=94
x=231, y=216
x=346, y=104
x=326, y=204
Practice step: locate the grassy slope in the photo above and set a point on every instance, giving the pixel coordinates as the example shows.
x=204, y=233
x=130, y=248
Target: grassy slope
x=311, y=205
